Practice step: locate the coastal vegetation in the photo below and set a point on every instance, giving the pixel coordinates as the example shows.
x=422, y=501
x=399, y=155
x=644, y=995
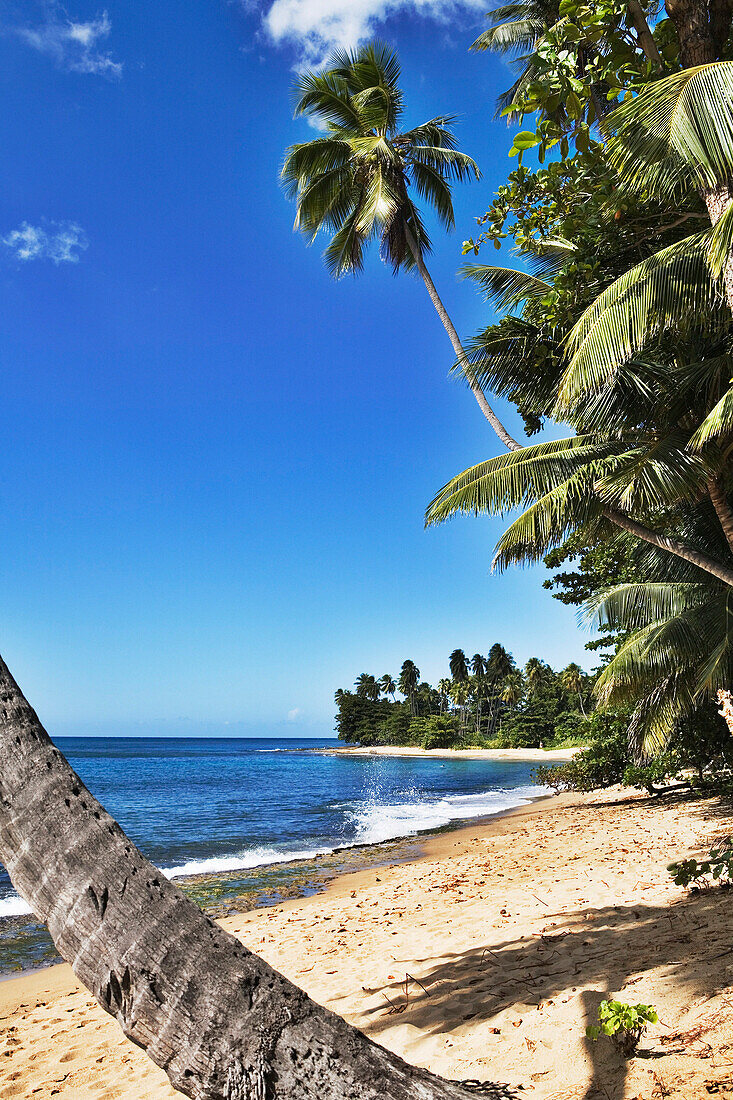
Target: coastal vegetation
x=485, y=701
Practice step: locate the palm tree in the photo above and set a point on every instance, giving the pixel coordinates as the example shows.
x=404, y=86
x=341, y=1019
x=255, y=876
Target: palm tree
x=408, y=680
x=367, y=687
x=478, y=667
x=513, y=688
x=444, y=687
x=535, y=674
x=215, y=1016
x=459, y=692
x=387, y=685
x=678, y=656
x=358, y=180
x=571, y=679
x=458, y=665
x=338, y=695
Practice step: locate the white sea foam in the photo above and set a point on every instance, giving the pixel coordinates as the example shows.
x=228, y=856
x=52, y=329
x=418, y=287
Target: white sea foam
x=253, y=857
x=376, y=822
x=14, y=906
x=372, y=823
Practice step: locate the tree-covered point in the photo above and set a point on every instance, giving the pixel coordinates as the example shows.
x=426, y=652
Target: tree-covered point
x=485, y=701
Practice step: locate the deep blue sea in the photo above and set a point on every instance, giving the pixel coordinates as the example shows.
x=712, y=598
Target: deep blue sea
x=213, y=806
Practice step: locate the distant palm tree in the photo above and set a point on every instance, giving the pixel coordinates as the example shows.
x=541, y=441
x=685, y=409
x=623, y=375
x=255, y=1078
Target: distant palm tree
x=458, y=665
x=338, y=696
x=460, y=690
x=387, y=685
x=356, y=182
x=367, y=687
x=478, y=664
x=571, y=679
x=513, y=689
x=499, y=663
x=535, y=672
x=444, y=687
x=408, y=680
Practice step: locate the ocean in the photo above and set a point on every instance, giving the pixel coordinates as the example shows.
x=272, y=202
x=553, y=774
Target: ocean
x=244, y=822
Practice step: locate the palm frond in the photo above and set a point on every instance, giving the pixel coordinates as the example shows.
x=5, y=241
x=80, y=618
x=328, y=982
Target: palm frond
x=569, y=507
x=513, y=479
x=683, y=123
x=641, y=603
x=654, y=475
x=719, y=421
x=671, y=290
x=505, y=287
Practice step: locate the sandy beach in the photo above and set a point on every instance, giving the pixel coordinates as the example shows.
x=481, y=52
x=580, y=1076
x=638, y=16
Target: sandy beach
x=485, y=959
x=529, y=755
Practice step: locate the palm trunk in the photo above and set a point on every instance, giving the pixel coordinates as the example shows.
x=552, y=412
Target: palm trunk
x=717, y=200
x=582, y=708
x=509, y=442
x=220, y=1022
x=722, y=508
x=673, y=546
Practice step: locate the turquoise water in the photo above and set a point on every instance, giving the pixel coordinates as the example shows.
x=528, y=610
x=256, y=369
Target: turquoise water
x=248, y=821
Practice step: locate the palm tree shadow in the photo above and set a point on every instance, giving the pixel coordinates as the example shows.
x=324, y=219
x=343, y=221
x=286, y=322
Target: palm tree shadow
x=598, y=952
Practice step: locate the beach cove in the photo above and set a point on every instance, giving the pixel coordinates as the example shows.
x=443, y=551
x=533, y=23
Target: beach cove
x=484, y=958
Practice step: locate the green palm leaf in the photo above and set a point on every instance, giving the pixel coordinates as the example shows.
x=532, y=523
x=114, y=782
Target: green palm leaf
x=505, y=287
x=682, y=125
x=671, y=290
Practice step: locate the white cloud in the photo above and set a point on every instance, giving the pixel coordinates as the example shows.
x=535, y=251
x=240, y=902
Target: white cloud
x=73, y=46
x=294, y=714
x=316, y=26
x=61, y=242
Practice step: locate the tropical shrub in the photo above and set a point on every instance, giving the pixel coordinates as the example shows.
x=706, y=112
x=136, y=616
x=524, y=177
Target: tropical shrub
x=623, y=1023
x=718, y=867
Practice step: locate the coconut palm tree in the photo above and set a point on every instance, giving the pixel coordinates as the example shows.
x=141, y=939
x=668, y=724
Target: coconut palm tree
x=535, y=674
x=478, y=667
x=387, y=685
x=367, y=687
x=216, y=1017
x=459, y=692
x=478, y=664
x=409, y=678
x=360, y=180
x=513, y=688
x=678, y=654
x=444, y=687
x=458, y=665
x=571, y=679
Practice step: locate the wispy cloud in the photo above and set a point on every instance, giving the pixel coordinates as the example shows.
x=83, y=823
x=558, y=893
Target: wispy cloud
x=73, y=45
x=60, y=242
x=316, y=26
x=294, y=714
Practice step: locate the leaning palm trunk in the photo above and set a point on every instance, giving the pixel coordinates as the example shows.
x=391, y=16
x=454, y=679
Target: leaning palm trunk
x=509, y=442
x=220, y=1022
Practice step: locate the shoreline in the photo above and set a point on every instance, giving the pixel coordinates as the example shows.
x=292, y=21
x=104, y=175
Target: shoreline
x=318, y=879
x=520, y=755
x=484, y=957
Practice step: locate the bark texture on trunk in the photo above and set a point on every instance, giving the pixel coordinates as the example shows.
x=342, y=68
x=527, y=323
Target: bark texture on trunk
x=722, y=508
x=509, y=442
x=220, y=1022
x=717, y=200
x=692, y=23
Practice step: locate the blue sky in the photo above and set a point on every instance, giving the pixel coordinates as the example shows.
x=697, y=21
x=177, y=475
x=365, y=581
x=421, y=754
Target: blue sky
x=216, y=459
